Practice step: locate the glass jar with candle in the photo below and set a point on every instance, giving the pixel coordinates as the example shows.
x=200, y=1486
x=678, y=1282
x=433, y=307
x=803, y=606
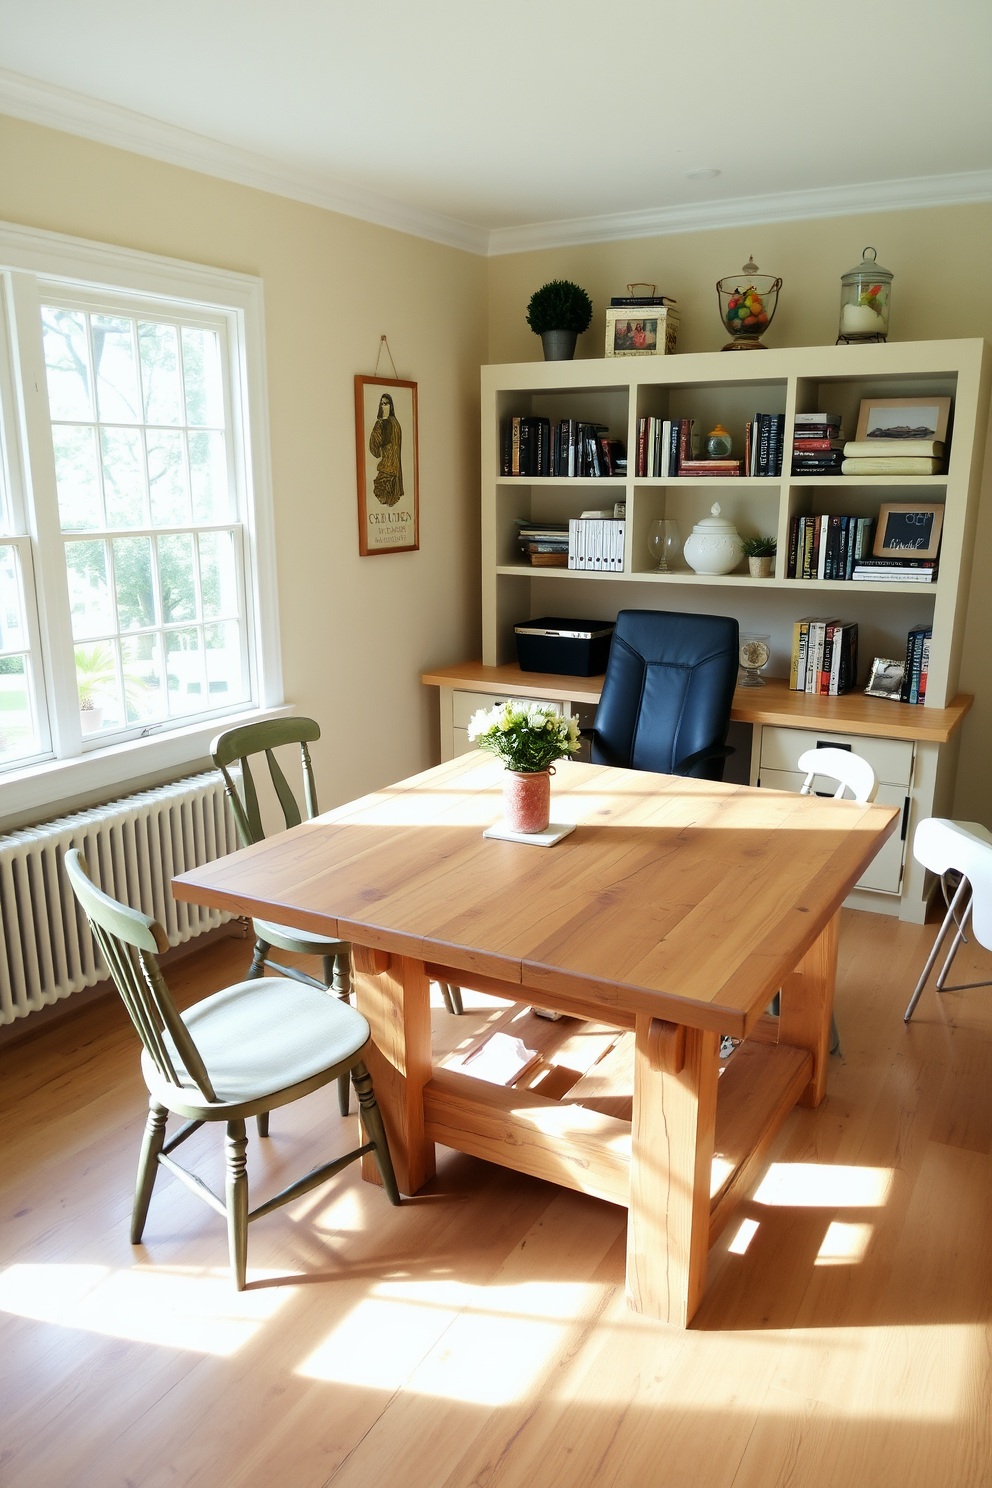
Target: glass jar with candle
x=865, y=292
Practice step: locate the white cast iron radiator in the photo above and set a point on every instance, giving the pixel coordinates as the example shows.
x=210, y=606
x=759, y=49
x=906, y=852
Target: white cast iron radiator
x=133, y=847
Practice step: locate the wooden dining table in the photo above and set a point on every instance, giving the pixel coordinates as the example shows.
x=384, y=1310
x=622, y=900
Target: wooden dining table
x=676, y=910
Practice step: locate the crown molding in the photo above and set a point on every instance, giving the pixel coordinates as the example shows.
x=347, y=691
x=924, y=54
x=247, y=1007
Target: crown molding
x=108, y=124
x=783, y=206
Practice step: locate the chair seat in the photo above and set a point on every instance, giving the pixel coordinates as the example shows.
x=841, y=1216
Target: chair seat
x=260, y=1037
x=303, y=942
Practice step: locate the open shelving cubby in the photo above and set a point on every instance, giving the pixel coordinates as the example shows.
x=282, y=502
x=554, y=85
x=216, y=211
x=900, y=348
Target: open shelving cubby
x=730, y=389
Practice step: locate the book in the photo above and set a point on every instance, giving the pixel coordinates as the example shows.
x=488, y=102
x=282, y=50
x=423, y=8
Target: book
x=621, y=300
x=924, y=668
x=831, y=419
x=892, y=465
x=812, y=446
x=905, y=565
x=886, y=576
x=874, y=449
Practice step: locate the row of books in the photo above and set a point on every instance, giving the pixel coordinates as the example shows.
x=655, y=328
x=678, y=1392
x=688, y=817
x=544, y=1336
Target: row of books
x=570, y=448
x=824, y=656
x=828, y=547
x=917, y=669
x=596, y=544
x=833, y=547
x=764, y=437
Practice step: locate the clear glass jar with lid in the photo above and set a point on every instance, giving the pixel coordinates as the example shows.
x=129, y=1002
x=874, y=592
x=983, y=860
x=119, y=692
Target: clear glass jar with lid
x=865, y=293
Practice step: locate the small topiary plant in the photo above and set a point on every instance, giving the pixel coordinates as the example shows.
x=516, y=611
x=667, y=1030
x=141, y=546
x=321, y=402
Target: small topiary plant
x=559, y=306
x=759, y=547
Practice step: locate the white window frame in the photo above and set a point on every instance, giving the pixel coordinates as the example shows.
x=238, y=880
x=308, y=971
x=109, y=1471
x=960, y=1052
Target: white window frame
x=34, y=266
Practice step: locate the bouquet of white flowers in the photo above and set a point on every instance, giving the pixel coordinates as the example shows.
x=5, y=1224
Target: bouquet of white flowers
x=526, y=738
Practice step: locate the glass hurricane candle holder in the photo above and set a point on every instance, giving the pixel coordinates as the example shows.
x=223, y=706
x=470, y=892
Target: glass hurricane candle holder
x=664, y=544
x=865, y=294
x=755, y=649
x=748, y=302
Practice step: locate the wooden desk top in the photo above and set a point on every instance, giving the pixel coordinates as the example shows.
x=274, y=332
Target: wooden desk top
x=774, y=703
x=686, y=899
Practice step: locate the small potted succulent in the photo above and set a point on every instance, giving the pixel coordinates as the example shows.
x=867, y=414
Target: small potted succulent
x=558, y=312
x=760, y=555
x=528, y=738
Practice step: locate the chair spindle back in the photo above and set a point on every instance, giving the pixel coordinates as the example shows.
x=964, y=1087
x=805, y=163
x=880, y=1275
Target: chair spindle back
x=238, y=744
x=130, y=941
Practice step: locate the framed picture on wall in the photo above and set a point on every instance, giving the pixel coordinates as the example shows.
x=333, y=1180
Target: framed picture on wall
x=388, y=477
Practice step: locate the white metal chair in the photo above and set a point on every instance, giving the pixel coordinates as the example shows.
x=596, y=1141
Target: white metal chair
x=258, y=1045
x=850, y=771
x=965, y=849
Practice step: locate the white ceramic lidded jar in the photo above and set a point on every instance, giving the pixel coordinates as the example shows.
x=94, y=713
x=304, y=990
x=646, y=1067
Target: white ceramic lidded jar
x=714, y=545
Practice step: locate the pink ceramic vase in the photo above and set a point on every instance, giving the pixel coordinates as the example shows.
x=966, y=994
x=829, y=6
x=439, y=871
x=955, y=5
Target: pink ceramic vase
x=527, y=800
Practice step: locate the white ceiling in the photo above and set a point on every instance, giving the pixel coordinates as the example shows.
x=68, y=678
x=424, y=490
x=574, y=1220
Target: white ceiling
x=482, y=123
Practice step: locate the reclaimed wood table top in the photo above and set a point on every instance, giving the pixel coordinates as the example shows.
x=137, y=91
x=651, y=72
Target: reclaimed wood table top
x=685, y=899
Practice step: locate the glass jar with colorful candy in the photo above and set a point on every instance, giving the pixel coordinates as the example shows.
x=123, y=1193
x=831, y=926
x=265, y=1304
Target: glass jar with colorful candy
x=748, y=302
x=865, y=295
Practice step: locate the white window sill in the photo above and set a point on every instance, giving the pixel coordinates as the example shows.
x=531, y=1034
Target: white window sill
x=37, y=787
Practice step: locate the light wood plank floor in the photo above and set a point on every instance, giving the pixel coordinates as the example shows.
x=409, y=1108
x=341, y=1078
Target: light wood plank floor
x=478, y=1334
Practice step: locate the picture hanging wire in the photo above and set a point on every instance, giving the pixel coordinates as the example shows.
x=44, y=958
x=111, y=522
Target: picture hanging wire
x=384, y=343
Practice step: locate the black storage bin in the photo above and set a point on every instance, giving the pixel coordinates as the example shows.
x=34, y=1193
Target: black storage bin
x=570, y=648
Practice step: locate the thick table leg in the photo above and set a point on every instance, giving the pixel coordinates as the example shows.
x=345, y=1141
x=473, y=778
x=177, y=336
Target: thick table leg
x=807, y=1006
x=668, y=1224
x=396, y=1002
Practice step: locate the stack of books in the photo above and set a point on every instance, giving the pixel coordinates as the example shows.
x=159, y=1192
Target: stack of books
x=543, y=544
x=829, y=547
x=914, y=678
x=824, y=657
x=531, y=447
x=763, y=440
x=897, y=570
x=893, y=456
x=817, y=444
x=595, y=544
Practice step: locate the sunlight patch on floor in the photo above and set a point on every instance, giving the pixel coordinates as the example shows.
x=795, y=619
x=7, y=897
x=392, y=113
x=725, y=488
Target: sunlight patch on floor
x=745, y=1234
x=824, y=1185
x=196, y=1310
x=448, y=1339
x=844, y=1244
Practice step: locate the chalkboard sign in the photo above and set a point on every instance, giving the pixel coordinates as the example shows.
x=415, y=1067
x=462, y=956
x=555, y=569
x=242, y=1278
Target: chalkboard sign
x=910, y=530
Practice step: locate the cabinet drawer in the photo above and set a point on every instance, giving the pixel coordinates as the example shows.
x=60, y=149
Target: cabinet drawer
x=891, y=759
x=464, y=704
x=884, y=872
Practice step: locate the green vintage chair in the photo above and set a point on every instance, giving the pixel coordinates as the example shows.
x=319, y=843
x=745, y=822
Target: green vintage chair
x=241, y=1052
x=234, y=747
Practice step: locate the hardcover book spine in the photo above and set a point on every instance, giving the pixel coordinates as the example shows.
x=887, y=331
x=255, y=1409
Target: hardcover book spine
x=826, y=660
x=803, y=654
x=515, y=446
x=666, y=447
x=642, y=445
x=794, y=662
x=790, y=572
x=673, y=451
x=573, y=542
x=506, y=448
x=924, y=668
x=764, y=433
x=685, y=441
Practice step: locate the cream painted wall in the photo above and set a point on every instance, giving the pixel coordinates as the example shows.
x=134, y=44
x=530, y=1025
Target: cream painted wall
x=356, y=632
x=942, y=288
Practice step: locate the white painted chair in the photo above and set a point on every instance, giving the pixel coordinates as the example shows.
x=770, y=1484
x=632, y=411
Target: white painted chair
x=850, y=771
x=964, y=848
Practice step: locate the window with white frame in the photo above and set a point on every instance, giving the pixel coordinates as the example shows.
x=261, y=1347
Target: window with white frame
x=132, y=574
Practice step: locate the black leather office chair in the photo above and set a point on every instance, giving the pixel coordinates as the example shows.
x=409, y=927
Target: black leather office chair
x=667, y=694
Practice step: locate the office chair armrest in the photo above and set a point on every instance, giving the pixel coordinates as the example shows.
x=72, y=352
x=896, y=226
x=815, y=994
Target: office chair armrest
x=716, y=751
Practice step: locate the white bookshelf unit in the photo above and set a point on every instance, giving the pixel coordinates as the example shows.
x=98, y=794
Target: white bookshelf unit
x=730, y=388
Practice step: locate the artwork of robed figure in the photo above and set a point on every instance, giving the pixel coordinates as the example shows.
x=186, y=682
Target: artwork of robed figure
x=386, y=444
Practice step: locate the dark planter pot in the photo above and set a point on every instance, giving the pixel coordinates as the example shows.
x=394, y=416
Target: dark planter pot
x=559, y=346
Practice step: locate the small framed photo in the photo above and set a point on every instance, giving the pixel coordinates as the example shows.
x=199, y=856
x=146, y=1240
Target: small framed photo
x=886, y=678
x=651, y=331
x=903, y=418
x=908, y=529
x=388, y=489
